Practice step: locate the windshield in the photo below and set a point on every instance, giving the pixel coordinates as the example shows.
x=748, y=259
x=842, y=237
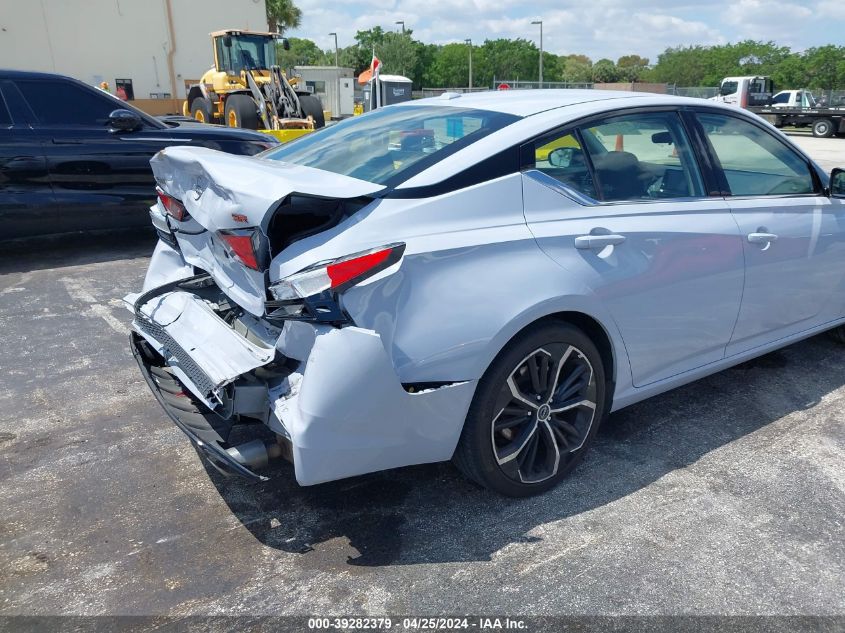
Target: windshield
x=246, y=52
x=382, y=146
x=729, y=87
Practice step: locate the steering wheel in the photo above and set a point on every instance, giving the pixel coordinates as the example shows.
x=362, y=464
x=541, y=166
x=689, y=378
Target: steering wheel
x=787, y=186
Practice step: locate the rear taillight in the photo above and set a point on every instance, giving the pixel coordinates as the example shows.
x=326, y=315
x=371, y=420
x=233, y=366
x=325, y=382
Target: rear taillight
x=246, y=246
x=336, y=275
x=173, y=207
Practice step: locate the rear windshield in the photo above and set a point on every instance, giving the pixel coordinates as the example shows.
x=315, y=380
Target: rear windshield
x=389, y=145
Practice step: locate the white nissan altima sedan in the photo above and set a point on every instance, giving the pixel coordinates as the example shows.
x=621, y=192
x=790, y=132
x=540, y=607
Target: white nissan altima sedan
x=476, y=277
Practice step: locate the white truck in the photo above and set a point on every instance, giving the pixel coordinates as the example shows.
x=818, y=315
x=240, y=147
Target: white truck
x=745, y=91
x=794, y=99
x=786, y=108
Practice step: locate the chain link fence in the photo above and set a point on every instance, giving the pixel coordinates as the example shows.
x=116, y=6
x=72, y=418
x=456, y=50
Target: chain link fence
x=700, y=92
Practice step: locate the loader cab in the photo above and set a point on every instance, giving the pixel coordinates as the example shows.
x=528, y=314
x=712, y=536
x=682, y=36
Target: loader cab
x=237, y=51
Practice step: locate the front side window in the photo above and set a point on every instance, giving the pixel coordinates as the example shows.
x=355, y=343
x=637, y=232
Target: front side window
x=641, y=157
x=564, y=159
x=387, y=145
x=57, y=102
x=754, y=161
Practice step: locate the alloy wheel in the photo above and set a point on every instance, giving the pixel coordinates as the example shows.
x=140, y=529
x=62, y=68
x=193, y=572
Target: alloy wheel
x=544, y=412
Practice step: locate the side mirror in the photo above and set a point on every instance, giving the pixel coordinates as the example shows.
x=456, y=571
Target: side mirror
x=837, y=183
x=285, y=42
x=227, y=41
x=124, y=121
x=560, y=157
x=661, y=138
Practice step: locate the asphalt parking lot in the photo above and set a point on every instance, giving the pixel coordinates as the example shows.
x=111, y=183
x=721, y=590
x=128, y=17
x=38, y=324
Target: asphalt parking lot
x=726, y=496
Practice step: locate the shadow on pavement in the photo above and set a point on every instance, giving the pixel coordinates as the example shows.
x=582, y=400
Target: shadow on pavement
x=75, y=249
x=430, y=514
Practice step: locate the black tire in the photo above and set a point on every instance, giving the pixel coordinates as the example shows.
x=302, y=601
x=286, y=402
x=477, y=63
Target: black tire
x=495, y=458
x=311, y=106
x=823, y=128
x=837, y=334
x=241, y=112
x=201, y=110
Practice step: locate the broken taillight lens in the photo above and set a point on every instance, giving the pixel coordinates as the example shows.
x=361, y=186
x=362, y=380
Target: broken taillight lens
x=173, y=207
x=336, y=275
x=246, y=246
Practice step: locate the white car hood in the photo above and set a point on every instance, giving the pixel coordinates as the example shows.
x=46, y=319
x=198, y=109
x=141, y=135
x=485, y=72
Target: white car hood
x=224, y=191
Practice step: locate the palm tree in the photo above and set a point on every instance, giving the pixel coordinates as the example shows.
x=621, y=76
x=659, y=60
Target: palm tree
x=283, y=14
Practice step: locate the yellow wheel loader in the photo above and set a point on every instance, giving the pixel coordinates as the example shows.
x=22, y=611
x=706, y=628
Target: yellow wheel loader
x=246, y=88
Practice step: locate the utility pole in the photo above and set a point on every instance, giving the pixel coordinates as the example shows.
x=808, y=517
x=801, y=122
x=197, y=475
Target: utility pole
x=540, y=22
x=469, y=43
x=336, y=64
x=402, y=22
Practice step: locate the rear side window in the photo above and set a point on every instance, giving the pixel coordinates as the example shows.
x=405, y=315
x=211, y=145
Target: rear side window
x=57, y=102
x=755, y=162
x=390, y=144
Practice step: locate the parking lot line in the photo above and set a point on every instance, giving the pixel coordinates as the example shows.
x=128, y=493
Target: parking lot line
x=80, y=291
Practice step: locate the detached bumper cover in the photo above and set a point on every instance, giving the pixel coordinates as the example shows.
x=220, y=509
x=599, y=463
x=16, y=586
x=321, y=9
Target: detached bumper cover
x=343, y=409
x=203, y=350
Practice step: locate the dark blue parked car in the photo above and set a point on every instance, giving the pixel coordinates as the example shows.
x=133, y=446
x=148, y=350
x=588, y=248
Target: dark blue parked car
x=74, y=158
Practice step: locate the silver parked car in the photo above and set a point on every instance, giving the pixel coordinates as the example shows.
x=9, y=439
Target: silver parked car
x=477, y=277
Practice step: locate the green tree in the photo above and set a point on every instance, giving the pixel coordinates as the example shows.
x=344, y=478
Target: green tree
x=303, y=52
x=397, y=52
x=825, y=67
x=361, y=53
x=504, y=59
x=576, y=68
x=631, y=67
x=552, y=67
x=684, y=66
x=605, y=71
x=450, y=67
x=426, y=55
x=282, y=14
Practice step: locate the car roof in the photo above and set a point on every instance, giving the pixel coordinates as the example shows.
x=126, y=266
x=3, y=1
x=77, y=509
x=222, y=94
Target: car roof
x=529, y=102
x=8, y=73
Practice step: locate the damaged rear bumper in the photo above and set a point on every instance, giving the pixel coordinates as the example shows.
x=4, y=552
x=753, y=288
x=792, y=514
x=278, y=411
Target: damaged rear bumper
x=338, y=409
x=191, y=420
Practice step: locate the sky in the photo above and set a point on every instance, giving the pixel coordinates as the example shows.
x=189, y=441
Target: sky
x=597, y=28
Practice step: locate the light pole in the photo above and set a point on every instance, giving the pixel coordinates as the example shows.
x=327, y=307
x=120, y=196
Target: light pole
x=540, y=22
x=336, y=64
x=469, y=43
x=402, y=22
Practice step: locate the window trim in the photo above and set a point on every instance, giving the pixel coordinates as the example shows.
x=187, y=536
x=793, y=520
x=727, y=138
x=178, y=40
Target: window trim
x=725, y=192
x=528, y=162
x=36, y=122
x=5, y=107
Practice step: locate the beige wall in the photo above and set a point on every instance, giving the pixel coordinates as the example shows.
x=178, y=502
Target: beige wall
x=634, y=86
x=102, y=40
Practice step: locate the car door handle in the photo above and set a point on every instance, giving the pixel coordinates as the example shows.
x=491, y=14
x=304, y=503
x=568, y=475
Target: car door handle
x=761, y=238
x=598, y=241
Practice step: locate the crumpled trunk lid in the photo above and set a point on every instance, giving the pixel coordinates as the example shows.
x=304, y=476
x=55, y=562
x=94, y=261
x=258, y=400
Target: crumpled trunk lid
x=227, y=192
x=216, y=188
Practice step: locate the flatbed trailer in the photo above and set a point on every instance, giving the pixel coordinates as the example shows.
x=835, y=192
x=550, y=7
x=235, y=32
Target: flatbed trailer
x=824, y=121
